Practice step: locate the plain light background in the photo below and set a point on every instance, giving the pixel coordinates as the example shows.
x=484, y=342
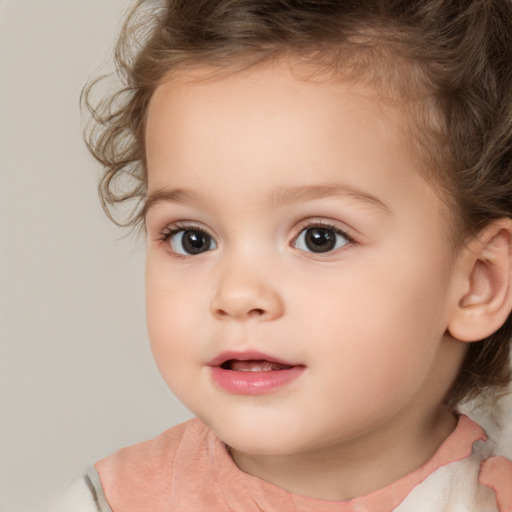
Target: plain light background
x=76, y=373
x=77, y=377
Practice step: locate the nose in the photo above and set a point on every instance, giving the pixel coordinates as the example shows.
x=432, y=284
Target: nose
x=244, y=293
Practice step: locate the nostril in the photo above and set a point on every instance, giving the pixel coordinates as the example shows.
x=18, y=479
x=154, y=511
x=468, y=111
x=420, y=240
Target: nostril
x=256, y=312
x=244, y=305
x=251, y=313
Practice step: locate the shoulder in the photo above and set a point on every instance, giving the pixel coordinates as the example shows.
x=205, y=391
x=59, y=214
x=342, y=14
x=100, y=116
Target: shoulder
x=137, y=474
x=494, y=470
x=153, y=453
x=496, y=473
x=143, y=475
x=83, y=495
x=465, y=474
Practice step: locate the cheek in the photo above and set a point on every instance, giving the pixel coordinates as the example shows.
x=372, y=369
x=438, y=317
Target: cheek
x=384, y=323
x=171, y=342
x=162, y=312
x=172, y=295
x=170, y=321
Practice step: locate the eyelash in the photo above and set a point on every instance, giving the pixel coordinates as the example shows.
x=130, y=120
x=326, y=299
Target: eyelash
x=327, y=226
x=169, y=231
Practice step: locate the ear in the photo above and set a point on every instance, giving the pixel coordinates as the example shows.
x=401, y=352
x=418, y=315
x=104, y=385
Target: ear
x=483, y=297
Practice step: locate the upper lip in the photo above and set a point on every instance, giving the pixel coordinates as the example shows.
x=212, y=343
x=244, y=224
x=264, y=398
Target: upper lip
x=248, y=356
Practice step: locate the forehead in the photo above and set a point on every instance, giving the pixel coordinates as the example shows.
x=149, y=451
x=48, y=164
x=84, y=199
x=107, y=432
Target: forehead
x=270, y=127
x=291, y=101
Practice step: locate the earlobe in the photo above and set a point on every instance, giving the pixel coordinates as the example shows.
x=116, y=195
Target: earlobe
x=484, y=295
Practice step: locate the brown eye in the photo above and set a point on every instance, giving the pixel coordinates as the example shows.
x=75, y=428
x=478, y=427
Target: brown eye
x=190, y=242
x=320, y=239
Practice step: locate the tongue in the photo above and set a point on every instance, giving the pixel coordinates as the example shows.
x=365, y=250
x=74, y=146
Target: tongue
x=256, y=366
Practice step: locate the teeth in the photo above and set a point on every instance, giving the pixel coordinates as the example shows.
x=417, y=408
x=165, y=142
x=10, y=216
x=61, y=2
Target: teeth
x=256, y=366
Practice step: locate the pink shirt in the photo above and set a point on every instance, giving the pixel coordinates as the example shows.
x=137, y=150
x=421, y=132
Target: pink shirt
x=188, y=468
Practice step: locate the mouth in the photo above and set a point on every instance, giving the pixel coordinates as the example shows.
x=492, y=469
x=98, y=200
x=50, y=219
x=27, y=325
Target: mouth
x=252, y=373
x=250, y=362
x=254, y=365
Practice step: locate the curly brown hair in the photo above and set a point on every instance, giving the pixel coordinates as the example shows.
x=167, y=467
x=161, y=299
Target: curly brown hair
x=450, y=61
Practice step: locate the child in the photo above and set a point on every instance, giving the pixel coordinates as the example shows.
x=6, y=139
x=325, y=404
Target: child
x=326, y=188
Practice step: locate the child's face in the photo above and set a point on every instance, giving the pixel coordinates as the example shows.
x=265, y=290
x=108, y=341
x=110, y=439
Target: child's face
x=288, y=222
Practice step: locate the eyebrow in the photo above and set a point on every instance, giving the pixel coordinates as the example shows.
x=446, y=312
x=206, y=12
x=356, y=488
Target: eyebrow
x=281, y=196
x=287, y=195
x=168, y=196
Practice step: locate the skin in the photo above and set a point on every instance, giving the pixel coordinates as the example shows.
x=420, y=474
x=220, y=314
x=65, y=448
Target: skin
x=263, y=154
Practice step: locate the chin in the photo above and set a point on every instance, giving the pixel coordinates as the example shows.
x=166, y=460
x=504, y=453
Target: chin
x=257, y=437
x=259, y=445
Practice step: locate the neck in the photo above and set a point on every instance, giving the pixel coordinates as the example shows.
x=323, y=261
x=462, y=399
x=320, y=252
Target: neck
x=355, y=467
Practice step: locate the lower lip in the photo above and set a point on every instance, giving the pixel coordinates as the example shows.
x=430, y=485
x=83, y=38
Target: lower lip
x=254, y=383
